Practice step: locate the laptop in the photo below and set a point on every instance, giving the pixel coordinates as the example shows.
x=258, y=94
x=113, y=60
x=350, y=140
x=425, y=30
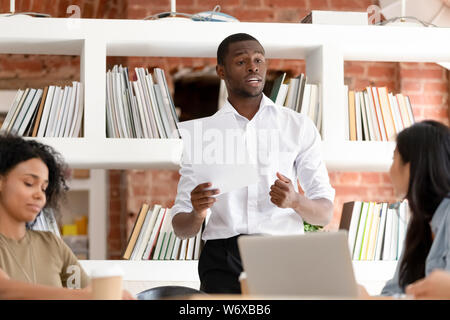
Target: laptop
x=311, y=265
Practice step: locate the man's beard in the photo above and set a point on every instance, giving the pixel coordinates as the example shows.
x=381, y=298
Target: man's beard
x=247, y=94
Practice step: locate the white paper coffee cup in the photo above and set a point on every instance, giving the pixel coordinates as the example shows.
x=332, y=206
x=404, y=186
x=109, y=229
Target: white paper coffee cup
x=107, y=283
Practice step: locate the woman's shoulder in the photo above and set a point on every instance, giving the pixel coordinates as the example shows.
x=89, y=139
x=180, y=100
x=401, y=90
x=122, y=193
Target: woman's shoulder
x=444, y=207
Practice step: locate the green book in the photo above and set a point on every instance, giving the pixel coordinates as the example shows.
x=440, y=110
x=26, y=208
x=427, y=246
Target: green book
x=276, y=87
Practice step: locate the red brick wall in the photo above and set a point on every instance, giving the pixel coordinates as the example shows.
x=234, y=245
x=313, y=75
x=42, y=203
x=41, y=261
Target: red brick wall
x=426, y=84
x=98, y=9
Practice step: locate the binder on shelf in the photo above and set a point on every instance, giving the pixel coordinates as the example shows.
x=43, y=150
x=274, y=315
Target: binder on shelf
x=153, y=238
x=375, y=114
x=299, y=96
x=374, y=231
x=380, y=229
x=39, y=112
x=176, y=249
x=351, y=213
x=276, y=87
x=139, y=109
x=163, y=238
x=183, y=248
x=44, y=113
x=386, y=113
x=352, y=115
x=190, y=248
x=135, y=232
x=366, y=232
x=144, y=235
x=198, y=245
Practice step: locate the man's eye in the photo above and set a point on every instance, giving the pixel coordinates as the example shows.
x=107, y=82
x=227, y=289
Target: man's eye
x=240, y=62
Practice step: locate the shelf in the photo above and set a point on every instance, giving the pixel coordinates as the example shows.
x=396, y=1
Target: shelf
x=118, y=153
x=323, y=47
x=375, y=156
x=144, y=38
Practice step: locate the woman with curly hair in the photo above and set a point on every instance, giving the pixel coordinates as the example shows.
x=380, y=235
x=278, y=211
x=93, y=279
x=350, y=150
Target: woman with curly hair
x=34, y=264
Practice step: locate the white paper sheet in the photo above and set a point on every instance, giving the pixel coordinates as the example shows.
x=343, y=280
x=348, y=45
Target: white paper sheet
x=215, y=147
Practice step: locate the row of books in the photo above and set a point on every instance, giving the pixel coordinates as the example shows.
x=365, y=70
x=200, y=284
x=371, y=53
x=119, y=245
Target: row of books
x=153, y=238
x=376, y=231
x=50, y=112
x=45, y=221
x=139, y=109
x=376, y=114
x=299, y=96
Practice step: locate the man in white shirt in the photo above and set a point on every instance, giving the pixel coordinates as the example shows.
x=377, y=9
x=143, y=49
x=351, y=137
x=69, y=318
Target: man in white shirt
x=288, y=148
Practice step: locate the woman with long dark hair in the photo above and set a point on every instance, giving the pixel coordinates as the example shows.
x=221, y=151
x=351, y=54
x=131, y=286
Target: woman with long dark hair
x=420, y=173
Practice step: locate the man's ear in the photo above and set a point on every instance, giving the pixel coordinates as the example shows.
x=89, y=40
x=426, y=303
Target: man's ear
x=220, y=70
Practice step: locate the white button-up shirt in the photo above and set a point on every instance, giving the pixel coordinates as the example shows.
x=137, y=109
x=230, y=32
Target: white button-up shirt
x=285, y=141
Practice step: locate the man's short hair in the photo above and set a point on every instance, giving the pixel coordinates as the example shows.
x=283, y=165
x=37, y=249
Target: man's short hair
x=222, y=50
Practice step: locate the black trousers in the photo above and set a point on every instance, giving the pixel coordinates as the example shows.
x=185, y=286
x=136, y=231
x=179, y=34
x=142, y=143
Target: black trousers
x=219, y=266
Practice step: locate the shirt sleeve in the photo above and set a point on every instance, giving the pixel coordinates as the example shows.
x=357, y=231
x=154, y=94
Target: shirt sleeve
x=310, y=168
x=186, y=184
x=72, y=273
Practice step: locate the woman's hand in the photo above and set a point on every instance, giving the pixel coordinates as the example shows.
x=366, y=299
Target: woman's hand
x=435, y=286
x=362, y=293
x=126, y=295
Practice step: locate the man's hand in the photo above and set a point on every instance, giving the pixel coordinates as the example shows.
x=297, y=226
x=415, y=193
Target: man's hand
x=282, y=193
x=435, y=286
x=203, y=199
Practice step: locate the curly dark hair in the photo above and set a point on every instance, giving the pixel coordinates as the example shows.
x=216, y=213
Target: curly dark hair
x=15, y=149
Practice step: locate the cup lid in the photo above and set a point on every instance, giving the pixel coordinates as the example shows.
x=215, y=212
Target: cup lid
x=110, y=271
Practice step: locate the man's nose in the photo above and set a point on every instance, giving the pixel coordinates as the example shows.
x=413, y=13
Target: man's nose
x=253, y=67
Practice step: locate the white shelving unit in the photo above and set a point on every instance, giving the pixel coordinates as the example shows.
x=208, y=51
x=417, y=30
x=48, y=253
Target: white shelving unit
x=323, y=47
x=97, y=203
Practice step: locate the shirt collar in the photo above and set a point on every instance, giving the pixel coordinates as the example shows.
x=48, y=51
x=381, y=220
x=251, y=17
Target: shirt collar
x=439, y=215
x=228, y=108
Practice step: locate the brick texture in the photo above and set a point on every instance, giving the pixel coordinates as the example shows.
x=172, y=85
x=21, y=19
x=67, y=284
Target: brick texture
x=426, y=84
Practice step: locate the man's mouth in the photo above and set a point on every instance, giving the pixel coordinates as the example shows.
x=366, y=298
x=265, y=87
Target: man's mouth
x=253, y=80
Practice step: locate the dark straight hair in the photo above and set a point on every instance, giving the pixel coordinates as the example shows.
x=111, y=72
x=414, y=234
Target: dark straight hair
x=426, y=147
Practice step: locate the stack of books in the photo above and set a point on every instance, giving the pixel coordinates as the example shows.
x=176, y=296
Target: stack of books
x=376, y=231
x=139, y=109
x=45, y=221
x=50, y=112
x=300, y=96
x=376, y=114
x=153, y=238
